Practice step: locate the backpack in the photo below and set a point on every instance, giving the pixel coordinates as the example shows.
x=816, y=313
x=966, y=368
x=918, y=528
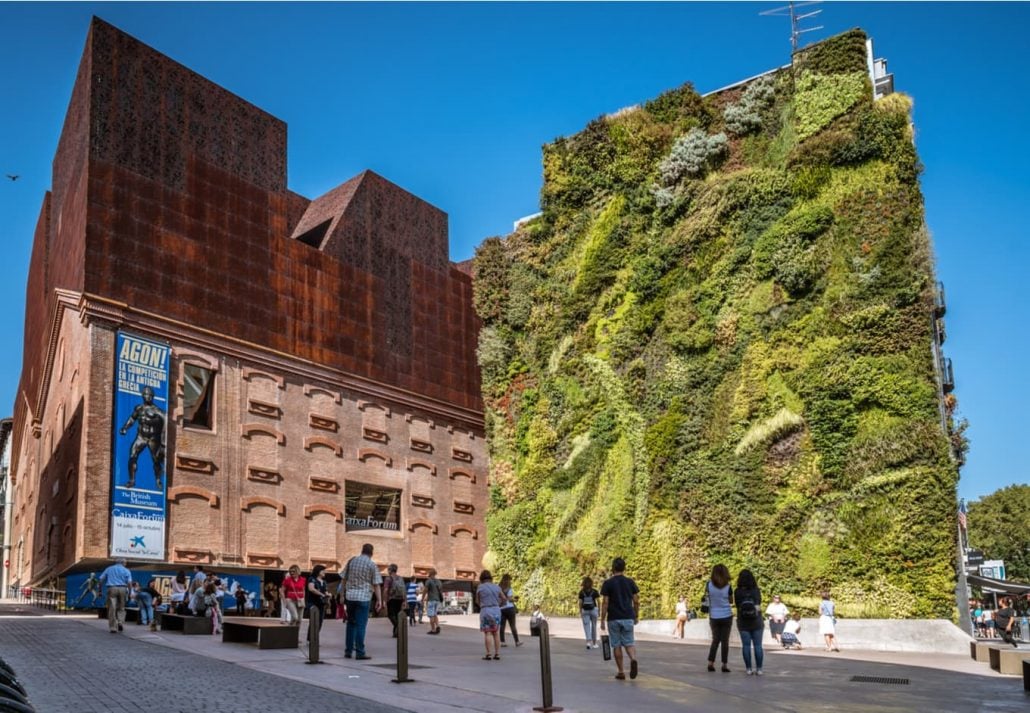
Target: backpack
x=746, y=609
x=397, y=589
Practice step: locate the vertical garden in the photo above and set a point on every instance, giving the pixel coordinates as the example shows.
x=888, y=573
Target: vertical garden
x=714, y=345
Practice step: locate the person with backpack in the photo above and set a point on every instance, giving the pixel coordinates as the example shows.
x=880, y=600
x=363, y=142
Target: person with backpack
x=716, y=603
x=588, y=600
x=750, y=624
x=396, y=594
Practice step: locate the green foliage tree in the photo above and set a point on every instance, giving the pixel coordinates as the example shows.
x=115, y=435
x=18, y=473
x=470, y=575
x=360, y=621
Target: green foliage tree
x=999, y=524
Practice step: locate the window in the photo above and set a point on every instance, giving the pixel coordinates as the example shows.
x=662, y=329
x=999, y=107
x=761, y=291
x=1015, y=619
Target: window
x=370, y=507
x=198, y=391
x=316, y=235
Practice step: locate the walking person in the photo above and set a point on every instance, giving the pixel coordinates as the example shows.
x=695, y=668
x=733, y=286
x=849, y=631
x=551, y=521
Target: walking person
x=620, y=611
x=750, y=624
x=719, y=594
x=420, y=591
x=433, y=598
x=292, y=595
x=396, y=592
x=490, y=599
x=316, y=594
x=681, y=617
x=828, y=622
x=117, y=578
x=777, y=612
x=411, y=599
x=589, y=600
x=509, y=610
x=179, y=588
x=360, y=584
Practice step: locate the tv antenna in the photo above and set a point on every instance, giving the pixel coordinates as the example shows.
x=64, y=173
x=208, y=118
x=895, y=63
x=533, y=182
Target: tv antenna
x=791, y=10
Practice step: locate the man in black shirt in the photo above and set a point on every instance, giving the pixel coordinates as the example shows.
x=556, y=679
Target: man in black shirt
x=620, y=605
x=1004, y=618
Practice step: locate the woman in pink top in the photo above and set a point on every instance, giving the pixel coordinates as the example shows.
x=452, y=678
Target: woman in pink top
x=292, y=596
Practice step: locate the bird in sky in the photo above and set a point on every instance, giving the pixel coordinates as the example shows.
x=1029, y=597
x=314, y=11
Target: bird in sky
x=12, y=177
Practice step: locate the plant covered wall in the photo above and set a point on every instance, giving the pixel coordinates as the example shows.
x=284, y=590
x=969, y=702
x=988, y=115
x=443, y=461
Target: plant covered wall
x=714, y=346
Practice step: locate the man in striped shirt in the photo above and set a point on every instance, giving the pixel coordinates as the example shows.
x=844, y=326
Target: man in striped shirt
x=412, y=600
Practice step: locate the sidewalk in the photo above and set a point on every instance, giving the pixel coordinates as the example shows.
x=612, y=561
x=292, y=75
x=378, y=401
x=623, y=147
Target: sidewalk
x=450, y=674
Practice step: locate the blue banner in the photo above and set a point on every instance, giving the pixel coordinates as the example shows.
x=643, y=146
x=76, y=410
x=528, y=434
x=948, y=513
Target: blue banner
x=140, y=428
x=83, y=590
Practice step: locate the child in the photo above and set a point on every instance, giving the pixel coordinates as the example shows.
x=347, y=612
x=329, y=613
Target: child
x=791, y=630
x=211, y=600
x=534, y=620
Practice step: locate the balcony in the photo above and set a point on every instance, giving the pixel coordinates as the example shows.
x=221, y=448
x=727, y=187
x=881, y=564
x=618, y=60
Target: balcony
x=940, y=307
x=947, y=377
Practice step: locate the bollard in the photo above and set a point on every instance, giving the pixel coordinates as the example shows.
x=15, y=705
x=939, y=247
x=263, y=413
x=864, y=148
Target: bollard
x=402, y=651
x=314, y=620
x=545, y=671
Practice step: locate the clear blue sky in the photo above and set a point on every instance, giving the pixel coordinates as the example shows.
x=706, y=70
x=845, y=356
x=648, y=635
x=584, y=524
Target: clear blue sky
x=453, y=101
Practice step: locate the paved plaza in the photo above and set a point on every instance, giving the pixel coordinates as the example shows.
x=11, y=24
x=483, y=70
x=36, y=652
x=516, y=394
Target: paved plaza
x=70, y=663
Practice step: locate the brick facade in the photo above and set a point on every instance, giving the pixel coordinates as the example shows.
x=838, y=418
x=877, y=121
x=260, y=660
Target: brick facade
x=341, y=336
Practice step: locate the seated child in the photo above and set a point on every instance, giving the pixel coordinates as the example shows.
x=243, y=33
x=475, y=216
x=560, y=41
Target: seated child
x=789, y=638
x=534, y=620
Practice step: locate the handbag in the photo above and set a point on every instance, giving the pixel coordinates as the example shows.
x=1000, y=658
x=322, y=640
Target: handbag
x=606, y=647
x=706, y=602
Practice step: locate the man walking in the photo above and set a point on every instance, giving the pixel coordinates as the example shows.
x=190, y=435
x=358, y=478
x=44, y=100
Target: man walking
x=117, y=578
x=360, y=582
x=620, y=606
x=433, y=598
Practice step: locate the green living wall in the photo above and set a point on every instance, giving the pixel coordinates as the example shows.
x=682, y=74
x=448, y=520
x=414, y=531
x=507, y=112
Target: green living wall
x=714, y=345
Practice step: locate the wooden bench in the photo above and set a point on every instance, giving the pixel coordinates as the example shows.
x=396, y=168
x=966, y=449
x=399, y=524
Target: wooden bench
x=185, y=624
x=266, y=633
x=1009, y=660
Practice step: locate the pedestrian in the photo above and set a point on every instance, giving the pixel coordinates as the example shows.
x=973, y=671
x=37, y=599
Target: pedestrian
x=682, y=616
x=491, y=599
x=433, y=598
x=588, y=600
x=828, y=622
x=420, y=591
x=396, y=592
x=316, y=594
x=117, y=578
x=179, y=590
x=509, y=610
x=155, y=600
x=145, y=600
x=719, y=594
x=272, y=599
x=241, y=601
x=211, y=607
x=777, y=612
x=620, y=611
x=292, y=594
x=411, y=599
x=360, y=584
x=750, y=624
x=1005, y=618
x=199, y=577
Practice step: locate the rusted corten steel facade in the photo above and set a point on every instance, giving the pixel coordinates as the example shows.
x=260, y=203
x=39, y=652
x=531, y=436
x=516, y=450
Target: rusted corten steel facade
x=341, y=338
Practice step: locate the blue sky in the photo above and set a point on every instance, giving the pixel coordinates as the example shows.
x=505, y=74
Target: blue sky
x=453, y=101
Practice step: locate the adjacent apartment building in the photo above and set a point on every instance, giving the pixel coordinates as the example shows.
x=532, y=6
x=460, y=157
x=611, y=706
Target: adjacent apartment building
x=218, y=370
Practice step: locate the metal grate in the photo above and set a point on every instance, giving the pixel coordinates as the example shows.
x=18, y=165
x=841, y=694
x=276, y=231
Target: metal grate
x=411, y=666
x=880, y=679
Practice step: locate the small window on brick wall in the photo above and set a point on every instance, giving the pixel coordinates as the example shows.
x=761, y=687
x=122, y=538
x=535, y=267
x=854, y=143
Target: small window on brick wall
x=198, y=395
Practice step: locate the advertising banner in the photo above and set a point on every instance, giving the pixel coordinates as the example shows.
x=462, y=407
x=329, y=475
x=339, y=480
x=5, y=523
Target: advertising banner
x=138, y=482
x=84, y=591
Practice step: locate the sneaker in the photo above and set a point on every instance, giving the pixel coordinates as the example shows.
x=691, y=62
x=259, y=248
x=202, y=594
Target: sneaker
x=759, y=672
x=588, y=647
x=518, y=644
x=750, y=672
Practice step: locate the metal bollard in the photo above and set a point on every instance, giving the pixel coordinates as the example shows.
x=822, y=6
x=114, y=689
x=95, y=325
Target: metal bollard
x=545, y=671
x=314, y=620
x=402, y=650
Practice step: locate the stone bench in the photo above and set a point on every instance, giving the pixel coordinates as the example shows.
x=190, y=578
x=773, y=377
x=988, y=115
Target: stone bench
x=1009, y=660
x=131, y=614
x=266, y=633
x=982, y=650
x=1026, y=675
x=185, y=624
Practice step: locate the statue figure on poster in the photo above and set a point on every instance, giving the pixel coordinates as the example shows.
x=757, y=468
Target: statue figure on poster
x=150, y=426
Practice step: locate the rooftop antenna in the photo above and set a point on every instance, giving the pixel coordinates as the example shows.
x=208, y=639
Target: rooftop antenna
x=791, y=10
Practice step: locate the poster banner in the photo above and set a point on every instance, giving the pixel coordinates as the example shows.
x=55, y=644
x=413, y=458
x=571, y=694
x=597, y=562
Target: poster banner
x=138, y=500
x=84, y=591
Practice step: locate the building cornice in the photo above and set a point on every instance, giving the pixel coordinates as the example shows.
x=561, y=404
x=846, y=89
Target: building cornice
x=94, y=309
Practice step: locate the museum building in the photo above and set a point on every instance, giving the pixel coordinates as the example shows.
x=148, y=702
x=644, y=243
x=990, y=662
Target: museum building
x=218, y=370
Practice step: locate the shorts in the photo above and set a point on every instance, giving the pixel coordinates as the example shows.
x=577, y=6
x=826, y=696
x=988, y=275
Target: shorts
x=431, y=608
x=489, y=620
x=620, y=632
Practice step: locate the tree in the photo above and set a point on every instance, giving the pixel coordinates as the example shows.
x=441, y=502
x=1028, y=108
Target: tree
x=999, y=524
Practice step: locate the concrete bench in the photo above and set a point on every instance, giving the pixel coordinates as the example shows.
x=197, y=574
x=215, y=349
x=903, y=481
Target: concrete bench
x=1009, y=660
x=185, y=624
x=266, y=633
x=131, y=614
x=1026, y=675
x=983, y=650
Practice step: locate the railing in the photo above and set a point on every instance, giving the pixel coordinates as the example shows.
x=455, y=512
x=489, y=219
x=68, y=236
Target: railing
x=939, y=305
x=52, y=599
x=947, y=377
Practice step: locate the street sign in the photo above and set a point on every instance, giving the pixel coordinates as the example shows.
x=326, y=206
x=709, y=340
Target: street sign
x=974, y=558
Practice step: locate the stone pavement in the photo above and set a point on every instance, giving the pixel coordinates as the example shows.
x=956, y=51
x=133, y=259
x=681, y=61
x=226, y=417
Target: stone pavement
x=74, y=657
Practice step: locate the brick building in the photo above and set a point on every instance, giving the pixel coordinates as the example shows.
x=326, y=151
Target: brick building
x=322, y=389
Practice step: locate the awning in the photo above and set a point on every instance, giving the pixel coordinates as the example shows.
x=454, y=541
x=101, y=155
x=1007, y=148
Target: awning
x=997, y=585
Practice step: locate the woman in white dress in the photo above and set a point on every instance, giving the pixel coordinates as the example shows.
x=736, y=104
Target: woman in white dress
x=828, y=622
